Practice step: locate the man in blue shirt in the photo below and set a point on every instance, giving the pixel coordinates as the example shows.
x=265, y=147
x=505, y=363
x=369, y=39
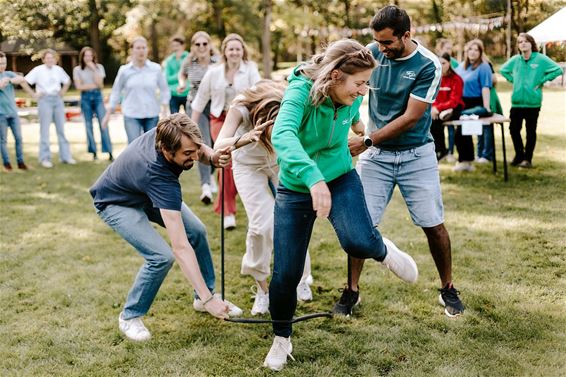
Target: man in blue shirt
x=142, y=186
x=9, y=114
x=400, y=148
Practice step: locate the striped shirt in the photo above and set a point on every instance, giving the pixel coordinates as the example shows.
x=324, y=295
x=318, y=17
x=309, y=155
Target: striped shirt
x=392, y=83
x=194, y=72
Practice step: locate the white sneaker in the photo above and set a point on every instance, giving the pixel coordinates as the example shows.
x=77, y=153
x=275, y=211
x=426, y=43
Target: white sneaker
x=450, y=158
x=261, y=301
x=400, y=263
x=482, y=160
x=70, y=161
x=464, y=166
x=277, y=356
x=230, y=222
x=46, y=164
x=304, y=292
x=233, y=310
x=206, y=196
x=213, y=185
x=134, y=329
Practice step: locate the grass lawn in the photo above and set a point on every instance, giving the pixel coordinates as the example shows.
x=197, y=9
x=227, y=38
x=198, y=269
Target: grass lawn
x=64, y=276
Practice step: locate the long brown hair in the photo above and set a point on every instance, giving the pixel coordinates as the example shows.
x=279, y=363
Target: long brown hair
x=263, y=101
x=479, y=44
x=530, y=39
x=346, y=55
x=82, y=56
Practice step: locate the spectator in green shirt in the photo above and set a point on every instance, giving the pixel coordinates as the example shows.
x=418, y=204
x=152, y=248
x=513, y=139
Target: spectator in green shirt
x=172, y=66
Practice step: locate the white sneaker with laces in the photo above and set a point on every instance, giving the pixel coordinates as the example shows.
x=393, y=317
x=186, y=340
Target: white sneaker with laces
x=277, y=355
x=46, y=164
x=463, y=166
x=134, y=329
x=206, y=196
x=400, y=263
x=229, y=222
x=233, y=310
x=261, y=301
x=304, y=292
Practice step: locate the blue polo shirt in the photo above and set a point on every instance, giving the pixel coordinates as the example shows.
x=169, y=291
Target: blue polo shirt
x=392, y=82
x=7, y=97
x=475, y=79
x=140, y=177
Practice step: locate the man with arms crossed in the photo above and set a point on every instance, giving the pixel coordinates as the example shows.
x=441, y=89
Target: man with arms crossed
x=142, y=186
x=400, y=148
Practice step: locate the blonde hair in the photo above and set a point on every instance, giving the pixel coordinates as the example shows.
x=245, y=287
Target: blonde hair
x=230, y=38
x=346, y=55
x=479, y=44
x=205, y=35
x=138, y=39
x=47, y=51
x=170, y=131
x=263, y=101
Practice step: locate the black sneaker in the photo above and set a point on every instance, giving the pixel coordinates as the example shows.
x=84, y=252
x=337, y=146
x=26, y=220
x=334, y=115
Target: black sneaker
x=448, y=298
x=347, y=302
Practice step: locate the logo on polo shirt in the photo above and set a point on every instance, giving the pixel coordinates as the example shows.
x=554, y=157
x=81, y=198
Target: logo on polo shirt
x=534, y=65
x=411, y=75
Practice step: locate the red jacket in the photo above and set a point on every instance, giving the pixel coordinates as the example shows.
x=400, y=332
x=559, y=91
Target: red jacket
x=450, y=93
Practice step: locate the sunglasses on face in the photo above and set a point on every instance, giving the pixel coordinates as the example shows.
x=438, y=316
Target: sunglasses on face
x=204, y=44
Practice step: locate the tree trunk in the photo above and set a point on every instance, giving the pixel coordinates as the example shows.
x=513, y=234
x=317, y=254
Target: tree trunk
x=266, y=38
x=217, y=6
x=94, y=32
x=154, y=40
x=347, y=8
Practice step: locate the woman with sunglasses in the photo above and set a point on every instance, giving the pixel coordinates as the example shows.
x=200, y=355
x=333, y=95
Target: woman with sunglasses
x=202, y=55
x=219, y=86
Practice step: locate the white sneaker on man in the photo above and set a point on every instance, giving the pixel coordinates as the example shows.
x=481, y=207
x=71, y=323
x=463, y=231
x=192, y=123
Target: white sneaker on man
x=230, y=222
x=261, y=302
x=304, y=292
x=206, y=195
x=463, y=166
x=277, y=355
x=233, y=310
x=400, y=263
x=46, y=164
x=134, y=328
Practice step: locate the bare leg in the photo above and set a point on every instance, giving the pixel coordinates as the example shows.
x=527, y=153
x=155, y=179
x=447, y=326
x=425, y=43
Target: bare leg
x=357, y=266
x=439, y=245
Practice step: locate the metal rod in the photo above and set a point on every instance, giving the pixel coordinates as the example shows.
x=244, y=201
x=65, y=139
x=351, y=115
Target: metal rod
x=222, y=234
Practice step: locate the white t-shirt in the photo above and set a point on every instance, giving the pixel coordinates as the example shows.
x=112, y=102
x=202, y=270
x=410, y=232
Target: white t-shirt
x=47, y=81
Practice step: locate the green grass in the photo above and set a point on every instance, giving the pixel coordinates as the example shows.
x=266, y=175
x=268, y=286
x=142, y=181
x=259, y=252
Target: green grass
x=64, y=276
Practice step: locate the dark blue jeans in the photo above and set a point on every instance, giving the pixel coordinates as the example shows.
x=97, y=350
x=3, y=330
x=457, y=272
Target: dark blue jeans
x=294, y=220
x=176, y=102
x=92, y=104
x=136, y=127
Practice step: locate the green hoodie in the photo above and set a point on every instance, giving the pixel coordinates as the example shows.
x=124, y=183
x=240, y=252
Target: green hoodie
x=311, y=142
x=172, y=68
x=528, y=76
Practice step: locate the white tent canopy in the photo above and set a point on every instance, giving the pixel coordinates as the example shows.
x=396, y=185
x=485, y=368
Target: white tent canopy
x=552, y=29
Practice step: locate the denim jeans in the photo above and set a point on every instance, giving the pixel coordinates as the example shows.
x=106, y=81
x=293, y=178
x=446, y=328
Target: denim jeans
x=451, y=139
x=136, y=127
x=133, y=224
x=485, y=143
x=51, y=109
x=93, y=104
x=294, y=220
x=13, y=123
x=176, y=102
x=205, y=171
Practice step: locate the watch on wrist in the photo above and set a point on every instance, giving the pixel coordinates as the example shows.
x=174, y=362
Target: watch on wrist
x=368, y=142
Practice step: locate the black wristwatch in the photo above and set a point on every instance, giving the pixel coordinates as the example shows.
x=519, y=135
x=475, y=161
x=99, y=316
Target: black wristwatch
x=368, y=142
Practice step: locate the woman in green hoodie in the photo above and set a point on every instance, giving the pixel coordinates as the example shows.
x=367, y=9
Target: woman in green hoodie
x=317, y=179
x=527, y=71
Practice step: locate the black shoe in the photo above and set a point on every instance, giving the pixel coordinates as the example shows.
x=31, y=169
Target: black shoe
x=110, y=157
x=8, y=166
x=347, y=302
x=448, y=298
x=94, y=157
x=22, y=165
x=516, y=161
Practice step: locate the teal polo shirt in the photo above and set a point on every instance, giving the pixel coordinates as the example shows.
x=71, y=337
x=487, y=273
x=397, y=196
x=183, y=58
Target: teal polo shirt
x=392, y=82
x=7, y=97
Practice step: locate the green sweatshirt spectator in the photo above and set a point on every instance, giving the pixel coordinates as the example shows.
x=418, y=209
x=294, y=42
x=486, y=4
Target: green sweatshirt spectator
x=172, y=66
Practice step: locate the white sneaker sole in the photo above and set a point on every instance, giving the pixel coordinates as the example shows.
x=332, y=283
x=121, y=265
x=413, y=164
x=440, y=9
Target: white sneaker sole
x=441, y=302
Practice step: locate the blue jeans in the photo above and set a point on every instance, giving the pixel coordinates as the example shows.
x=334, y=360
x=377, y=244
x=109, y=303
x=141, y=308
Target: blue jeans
x=176, y=102
x=138, y=126
x=205, y=171
x=415, y=171
x=91, y=104
x=51, y=109
x=485, y=143
x=451, y=138
x=133, y=224
x=13, y=123
x=293, y=224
